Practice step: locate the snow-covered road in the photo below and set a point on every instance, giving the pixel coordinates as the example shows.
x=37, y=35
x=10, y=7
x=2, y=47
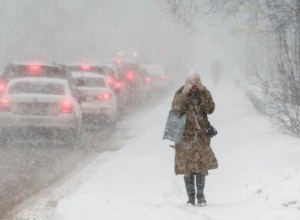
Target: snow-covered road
x=258, y=177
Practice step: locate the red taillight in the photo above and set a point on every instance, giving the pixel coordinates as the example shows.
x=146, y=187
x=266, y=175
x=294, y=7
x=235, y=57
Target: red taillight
x=66, y=106
x=147, y=78
x=3, y=84
x=34, y=68
x=163, y=77
x=110, y=80
x=4, y=105
x=130, y=75
x=118, y=61
x=85, y=67
x=105, y=96
x=118, y=84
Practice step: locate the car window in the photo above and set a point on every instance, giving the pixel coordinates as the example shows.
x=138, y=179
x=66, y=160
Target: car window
x=90, y=82
x=95, y=69
x=99, y=70
x=37, y=88
x=31, y=70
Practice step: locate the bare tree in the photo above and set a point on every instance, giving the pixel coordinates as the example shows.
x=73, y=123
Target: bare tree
x=281, y=85
x=188, y=11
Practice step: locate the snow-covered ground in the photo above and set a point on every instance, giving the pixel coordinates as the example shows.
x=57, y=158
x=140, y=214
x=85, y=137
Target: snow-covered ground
x=258, y=175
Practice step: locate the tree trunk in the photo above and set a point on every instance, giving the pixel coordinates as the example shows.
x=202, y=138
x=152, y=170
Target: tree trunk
x=297, y=39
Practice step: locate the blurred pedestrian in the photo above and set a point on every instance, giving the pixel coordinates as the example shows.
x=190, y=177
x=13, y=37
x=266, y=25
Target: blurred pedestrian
x=193, y=155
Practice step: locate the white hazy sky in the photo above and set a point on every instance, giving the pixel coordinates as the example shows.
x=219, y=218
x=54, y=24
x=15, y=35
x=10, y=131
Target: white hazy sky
x=67, y=31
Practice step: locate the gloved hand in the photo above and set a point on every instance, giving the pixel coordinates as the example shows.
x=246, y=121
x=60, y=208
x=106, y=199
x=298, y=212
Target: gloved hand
x=187, y=87
x=199, y=84
x=193, y=82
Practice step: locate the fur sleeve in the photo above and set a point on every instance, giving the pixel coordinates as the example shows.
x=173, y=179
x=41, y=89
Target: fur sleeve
x=179, y=104
x=207, y=105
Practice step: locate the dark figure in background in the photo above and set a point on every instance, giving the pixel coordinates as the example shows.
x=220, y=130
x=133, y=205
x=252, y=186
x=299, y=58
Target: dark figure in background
x=194, y=156
x=216, y=71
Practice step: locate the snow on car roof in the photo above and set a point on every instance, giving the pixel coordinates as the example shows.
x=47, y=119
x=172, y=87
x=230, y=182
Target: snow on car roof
x=92, y=64
x=38, y=79
x=80, y=74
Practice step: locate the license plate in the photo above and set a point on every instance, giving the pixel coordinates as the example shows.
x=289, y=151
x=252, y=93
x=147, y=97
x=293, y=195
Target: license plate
x=33, y=109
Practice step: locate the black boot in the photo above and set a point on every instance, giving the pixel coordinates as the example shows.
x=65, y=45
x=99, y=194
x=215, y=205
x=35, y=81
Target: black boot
x=190, y=188
x=200, y=183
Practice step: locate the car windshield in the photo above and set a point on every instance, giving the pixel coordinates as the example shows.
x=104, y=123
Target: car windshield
x=90, y=82
x=37, y=88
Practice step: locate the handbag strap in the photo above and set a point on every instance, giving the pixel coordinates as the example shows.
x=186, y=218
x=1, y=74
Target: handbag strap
x=199, y=129
x=196, y=120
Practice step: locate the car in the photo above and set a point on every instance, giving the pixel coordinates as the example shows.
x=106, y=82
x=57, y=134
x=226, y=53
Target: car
x=104, y=69
x=99, y=100
x=157, y=77
x=132, y=74
x=109, y=70
x=134, y=79
x=32, y=69
x=40, y=103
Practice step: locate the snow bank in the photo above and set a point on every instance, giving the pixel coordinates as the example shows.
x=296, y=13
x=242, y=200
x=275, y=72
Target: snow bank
x=258, y=178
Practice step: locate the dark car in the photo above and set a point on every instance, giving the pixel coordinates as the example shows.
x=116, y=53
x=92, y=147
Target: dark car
x=109, y=70
x=157, y=77
x=135, y=79
x=32, y=69
x=102, y=69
